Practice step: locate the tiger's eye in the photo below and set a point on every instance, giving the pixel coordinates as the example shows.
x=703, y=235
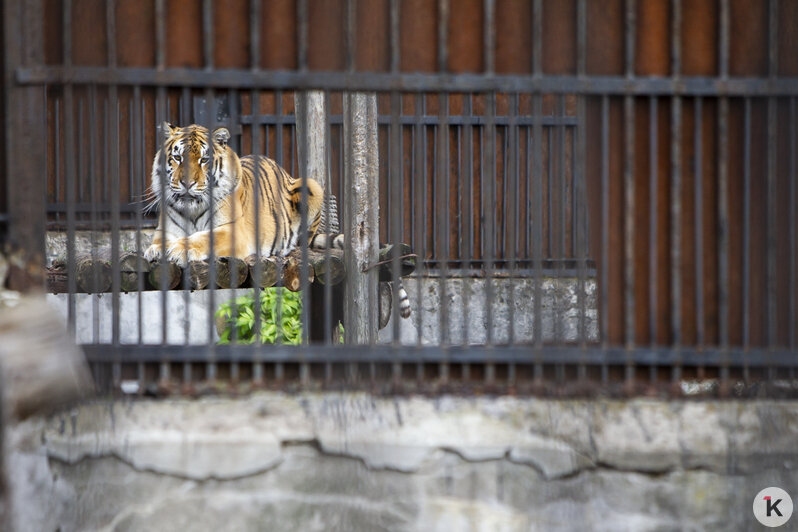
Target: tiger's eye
x=177, y=158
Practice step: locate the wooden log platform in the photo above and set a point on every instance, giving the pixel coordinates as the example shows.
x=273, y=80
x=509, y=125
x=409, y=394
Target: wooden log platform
x=95, y=274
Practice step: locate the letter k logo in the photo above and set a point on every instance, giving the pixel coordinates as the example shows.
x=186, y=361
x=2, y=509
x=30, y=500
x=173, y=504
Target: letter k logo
x=773, y=506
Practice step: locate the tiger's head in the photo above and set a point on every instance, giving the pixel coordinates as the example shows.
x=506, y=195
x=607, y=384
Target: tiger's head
x=191, y=165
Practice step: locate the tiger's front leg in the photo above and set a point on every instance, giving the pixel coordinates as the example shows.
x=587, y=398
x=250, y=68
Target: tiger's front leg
x=198, y=246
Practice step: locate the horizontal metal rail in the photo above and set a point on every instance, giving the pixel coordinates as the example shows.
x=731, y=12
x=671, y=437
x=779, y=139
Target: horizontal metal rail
x=411, y=82
x=513, y=354
x=426, y=120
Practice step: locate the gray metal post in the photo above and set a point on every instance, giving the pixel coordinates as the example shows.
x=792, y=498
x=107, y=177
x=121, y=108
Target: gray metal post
x=361, y=177
x=24, y=144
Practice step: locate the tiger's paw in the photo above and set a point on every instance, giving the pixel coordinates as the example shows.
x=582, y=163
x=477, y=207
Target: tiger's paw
x=153, y=252
x=181, y=252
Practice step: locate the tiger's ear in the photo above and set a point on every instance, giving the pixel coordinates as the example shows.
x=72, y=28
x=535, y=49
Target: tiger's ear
x=221, y=136
x=167, y=129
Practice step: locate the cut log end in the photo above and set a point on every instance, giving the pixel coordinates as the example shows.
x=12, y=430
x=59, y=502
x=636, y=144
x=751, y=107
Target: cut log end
x=231, y=272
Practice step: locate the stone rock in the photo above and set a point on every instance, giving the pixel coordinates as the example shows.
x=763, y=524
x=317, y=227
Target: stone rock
x=355, y=462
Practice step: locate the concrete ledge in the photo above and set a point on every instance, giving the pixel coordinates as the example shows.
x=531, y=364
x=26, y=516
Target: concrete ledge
x=351, y=461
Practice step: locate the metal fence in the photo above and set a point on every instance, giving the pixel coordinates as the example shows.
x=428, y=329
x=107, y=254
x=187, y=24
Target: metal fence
x=575, y=231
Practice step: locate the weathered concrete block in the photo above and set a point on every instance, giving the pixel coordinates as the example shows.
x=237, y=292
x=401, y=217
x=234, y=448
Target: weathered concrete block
x=354, y=462
x=466, y=319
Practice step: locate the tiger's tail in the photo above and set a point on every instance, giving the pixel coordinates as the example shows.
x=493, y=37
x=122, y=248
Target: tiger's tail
x=328, y=237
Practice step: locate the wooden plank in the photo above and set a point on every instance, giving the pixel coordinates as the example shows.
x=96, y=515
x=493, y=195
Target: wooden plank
x=361, y=174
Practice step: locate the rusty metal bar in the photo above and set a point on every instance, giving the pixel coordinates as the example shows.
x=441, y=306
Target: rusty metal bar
x=594, y=356
x=773, y=233
x=537, y=245
x=747, y=223
x=396, y=182
x=698, y=185
x=653, y=260
x=684, y=86
x=676, y=191
x=792, y=119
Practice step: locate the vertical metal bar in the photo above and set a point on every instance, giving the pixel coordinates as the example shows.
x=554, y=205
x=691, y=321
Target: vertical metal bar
x=793, y=202
x=257, y=363
x=137, y=120
x=442, y=182
x=396, y=175
x=489, y=177
x=723, y=222
x=653, y=262
x=185, y=110
x=57, y=104
x=396, y=187
x=443, y=35
x=537, y=247
x=747, y=223
x=351, y=34
x=723, y=196
x=254, y=96
x=468, y=208
x=772, y=227
x=279, y=367
x=580, y=205
x=112, y=129
x=160, y=33
x=91, y=165
x=723, y=40
x=629, y=197
x=551, y=209
x=563, y=221
x=537, y=189
x=136, y=170
x=160, y=60
x=328, y=326
x=442, y=208
x=698, y=184
x=489, y=172
x=207, y=31
x=629, y=222
x=302, y=37
x=210, y=114
x=676, y=191
x=91, y=171
x=537, y=37
x=419, y=207
x=304, y=285
x=69, y=152
x=419, y=189
x=512, y=198
x=605, y=226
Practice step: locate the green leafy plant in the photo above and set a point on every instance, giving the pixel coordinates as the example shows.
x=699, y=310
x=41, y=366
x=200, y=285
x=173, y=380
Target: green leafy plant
x=239, y=315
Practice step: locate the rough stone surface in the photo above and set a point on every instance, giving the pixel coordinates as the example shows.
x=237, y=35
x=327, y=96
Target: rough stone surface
x=351, y=461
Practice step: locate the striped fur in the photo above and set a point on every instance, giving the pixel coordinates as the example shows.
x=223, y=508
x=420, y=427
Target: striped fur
x=254, y=199
x=206, y=192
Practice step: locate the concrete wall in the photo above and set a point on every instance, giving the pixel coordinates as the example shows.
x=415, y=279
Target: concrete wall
x=187, y=313
x=355, y=462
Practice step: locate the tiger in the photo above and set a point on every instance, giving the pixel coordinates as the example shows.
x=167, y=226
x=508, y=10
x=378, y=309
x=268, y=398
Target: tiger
x=203, y=187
